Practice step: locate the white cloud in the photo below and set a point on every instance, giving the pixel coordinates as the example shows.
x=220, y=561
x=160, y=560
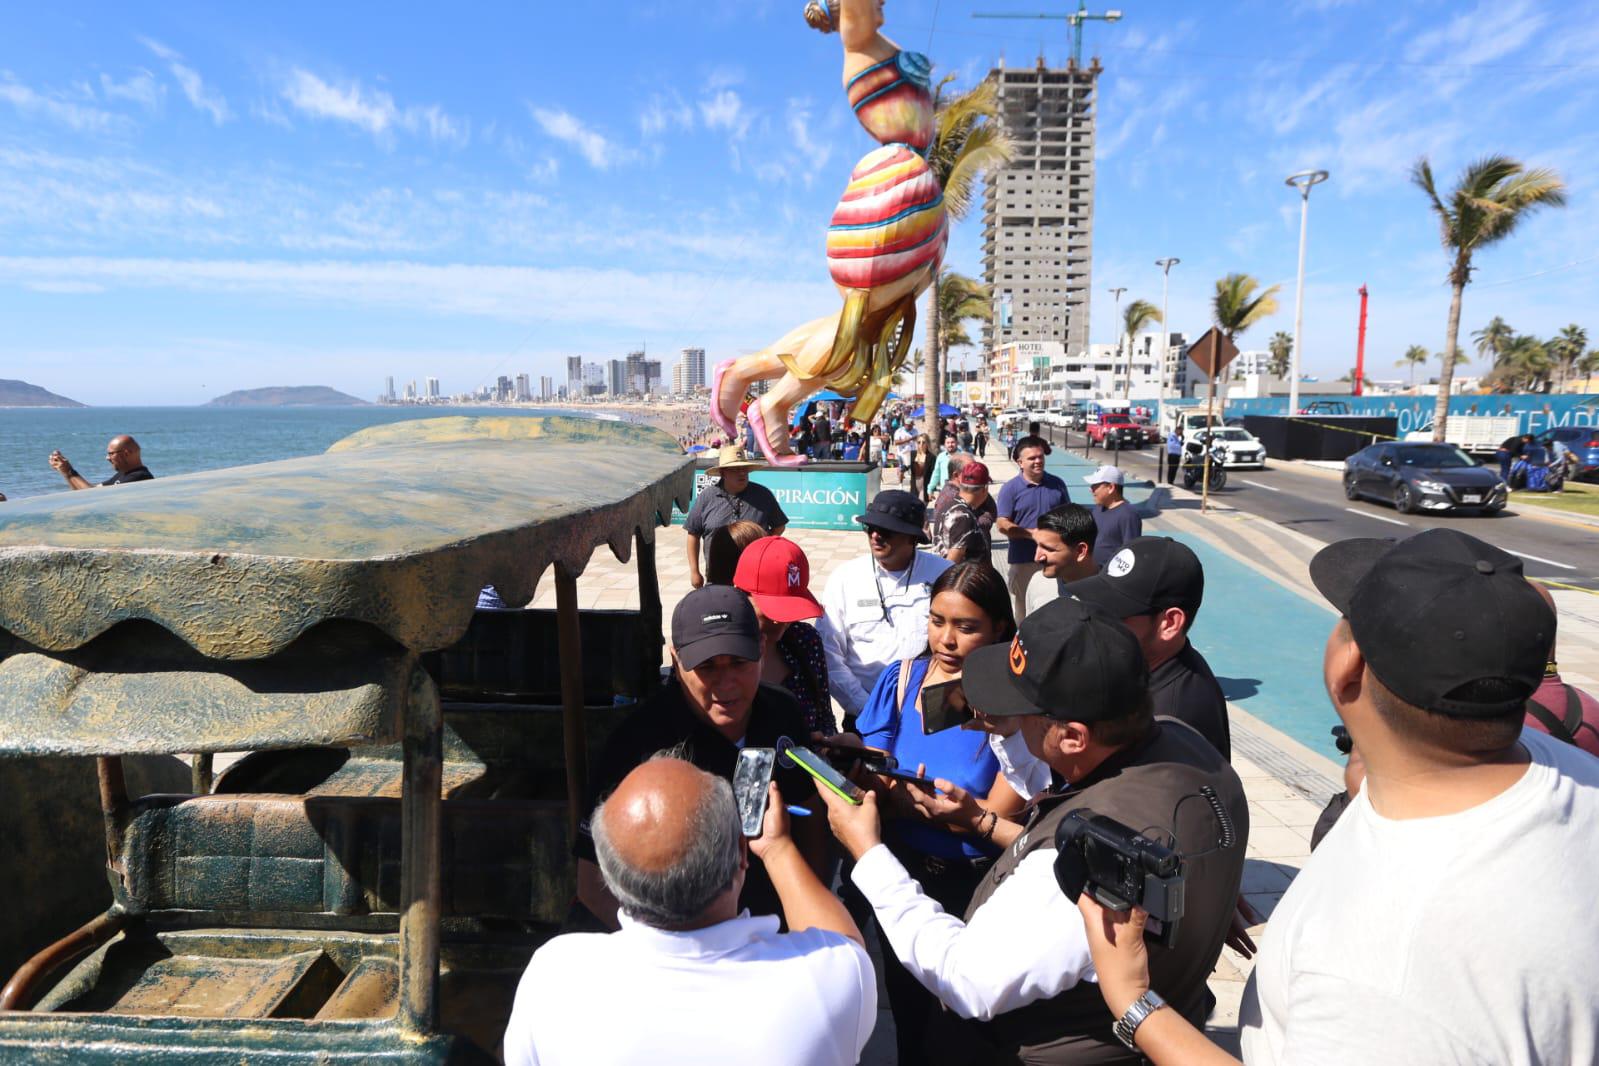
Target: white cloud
x=658, y=301
x=601, y=152
x=141, y=88
x=661, y=114
x=724, y=110
x=32, y=104
x=372, y=110
x=194, y=88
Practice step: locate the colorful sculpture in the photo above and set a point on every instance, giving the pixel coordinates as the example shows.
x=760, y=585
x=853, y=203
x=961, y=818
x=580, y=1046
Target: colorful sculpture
x=884, y=246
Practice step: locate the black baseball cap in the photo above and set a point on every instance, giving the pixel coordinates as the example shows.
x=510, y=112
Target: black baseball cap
x=1068, y=662
x=1437, y=611
x=1150, y=574
x=715, y=620
x=896, y=511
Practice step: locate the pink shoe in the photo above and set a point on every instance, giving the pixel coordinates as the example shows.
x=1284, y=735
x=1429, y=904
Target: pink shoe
x=758, y=423
x=717, y=414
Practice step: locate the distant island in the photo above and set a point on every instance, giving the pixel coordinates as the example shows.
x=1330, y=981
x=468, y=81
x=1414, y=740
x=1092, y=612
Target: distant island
x=288, y=396
x=15, y=393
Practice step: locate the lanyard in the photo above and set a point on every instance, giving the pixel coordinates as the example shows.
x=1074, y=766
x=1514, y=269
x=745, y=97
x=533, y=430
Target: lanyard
x=877, y=583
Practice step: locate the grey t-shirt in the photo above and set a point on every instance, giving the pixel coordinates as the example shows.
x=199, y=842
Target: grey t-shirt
x=715, y=507
x=1117, y=526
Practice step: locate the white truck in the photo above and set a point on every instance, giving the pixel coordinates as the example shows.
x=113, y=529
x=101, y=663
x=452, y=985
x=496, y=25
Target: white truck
x=1476, y=434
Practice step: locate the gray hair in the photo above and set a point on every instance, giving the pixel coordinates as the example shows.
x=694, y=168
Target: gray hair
x=680, y=893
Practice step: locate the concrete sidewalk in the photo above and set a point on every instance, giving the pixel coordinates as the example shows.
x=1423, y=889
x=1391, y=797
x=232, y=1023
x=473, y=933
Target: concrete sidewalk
x=1286, y=782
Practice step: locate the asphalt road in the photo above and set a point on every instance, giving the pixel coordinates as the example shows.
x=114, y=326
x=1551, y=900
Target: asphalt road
x=1312, y=501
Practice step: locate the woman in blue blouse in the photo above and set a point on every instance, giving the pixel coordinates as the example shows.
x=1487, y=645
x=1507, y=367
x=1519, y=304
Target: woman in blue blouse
x=970, y=608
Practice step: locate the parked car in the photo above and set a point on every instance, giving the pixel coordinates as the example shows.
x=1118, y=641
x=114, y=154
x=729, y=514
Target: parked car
x=1243, y=448
x=1423, y=477
x=1115, y=430
x=1583, y=442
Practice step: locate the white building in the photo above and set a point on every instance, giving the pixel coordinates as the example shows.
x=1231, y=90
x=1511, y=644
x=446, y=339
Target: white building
x=1041, y=374
x=693, y=365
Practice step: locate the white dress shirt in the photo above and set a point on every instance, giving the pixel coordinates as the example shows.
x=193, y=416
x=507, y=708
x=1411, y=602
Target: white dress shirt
x=736, y=992
x=866, y=629
x=1024, y=944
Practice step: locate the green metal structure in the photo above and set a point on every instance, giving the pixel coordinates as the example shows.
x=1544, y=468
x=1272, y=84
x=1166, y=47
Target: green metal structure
x=368, y=883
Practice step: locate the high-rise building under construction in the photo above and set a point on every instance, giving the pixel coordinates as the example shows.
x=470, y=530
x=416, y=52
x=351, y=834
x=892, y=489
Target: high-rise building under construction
x=1038, y=211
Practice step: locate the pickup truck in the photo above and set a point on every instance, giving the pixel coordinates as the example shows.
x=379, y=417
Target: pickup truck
x=1477, y=434
x=1116, y=431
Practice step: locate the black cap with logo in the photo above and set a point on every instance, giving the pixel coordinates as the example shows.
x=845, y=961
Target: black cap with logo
x=1068, y=662
x=896, y=511
x=1438, y=611
x=715, y=620
x=1149, y=575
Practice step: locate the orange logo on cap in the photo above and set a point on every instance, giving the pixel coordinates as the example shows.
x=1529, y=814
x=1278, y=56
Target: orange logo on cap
x=1018, y=656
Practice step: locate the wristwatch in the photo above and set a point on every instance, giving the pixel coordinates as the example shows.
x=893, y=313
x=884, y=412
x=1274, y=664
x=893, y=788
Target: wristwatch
x=1142, y=1008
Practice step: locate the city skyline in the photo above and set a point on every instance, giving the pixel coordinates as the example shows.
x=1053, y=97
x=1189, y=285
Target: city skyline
x=196, y=200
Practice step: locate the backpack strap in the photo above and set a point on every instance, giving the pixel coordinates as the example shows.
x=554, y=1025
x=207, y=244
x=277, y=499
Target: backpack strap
x=1563, y=728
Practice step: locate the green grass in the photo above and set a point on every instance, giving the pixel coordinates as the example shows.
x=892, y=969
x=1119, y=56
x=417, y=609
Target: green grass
x=1579, y=497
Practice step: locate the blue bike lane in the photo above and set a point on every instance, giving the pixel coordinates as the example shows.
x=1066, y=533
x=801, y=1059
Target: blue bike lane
x=1263, y=640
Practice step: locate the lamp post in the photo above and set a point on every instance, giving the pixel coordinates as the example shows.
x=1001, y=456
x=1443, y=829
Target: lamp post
x=1165, y=326
x=1303, y=182
x=1117, y=291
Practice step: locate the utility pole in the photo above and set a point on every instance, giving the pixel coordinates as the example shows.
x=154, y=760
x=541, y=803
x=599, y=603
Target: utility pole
x=1165, y=326
x=1117, y=292
x=1073, y=18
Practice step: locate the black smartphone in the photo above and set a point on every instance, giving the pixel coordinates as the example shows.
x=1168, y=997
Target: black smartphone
x=846, y=754
x=751, y=775
x=944, y=706
x=907, y=775
x=825, y=775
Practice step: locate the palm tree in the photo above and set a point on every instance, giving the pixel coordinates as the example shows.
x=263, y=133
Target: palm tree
x=968, y=139
x=1523, y=366
x=906, y=374
x=1492, y=339
x=1139, y=314
x=1235, y=307
x=1281, y=346
x=960, y=300
x=1414, y=356
x=1492, y=196
x=1588, y=366
x=1566, y=349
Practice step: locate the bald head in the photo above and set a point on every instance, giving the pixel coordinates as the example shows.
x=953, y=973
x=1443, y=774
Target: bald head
x=668, y=843
x=122, y=452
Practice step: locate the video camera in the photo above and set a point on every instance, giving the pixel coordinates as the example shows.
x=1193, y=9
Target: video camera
x=1120, y=868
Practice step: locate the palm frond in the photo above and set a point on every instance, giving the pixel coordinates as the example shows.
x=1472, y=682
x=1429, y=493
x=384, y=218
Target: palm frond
x=1139, y=314
x=1236, y=306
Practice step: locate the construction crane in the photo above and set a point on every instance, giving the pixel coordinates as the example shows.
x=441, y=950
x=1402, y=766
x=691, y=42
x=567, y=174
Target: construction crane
x=1074, y=18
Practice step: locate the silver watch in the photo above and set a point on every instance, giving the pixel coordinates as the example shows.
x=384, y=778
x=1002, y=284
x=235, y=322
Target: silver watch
x=1142, y=1008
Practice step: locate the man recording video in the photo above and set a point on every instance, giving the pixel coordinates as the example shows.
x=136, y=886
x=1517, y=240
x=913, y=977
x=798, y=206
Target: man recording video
x=689, y=978
x=1015, y=966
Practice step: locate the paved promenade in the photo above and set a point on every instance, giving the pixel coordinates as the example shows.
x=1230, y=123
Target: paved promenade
x=1262, y=627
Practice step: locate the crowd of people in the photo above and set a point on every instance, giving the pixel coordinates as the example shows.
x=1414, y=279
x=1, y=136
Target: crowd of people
x=1014, y=703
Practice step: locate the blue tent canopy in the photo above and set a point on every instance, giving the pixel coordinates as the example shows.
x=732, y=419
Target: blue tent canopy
x=944, y=411
x=825, y=396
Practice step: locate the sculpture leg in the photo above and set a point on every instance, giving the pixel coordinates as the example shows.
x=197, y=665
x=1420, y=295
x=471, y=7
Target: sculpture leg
x=769, y=416
x=731, y=381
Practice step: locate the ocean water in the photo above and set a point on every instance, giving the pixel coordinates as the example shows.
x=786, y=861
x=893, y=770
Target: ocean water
x=181, y=440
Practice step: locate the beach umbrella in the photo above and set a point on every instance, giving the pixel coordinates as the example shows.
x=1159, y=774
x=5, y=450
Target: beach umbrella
x=944, y=409
x=694, y=448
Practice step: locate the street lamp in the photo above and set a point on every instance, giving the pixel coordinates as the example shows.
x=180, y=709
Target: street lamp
x=1117, y=291
x=1303, y=182
x=1165, y=326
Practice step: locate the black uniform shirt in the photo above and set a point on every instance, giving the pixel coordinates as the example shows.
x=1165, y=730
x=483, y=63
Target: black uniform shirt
x=665, y=722
x=1183, y=688
x=138, y=473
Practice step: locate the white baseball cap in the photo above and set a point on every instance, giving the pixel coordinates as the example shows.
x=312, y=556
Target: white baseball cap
x=1106, y=475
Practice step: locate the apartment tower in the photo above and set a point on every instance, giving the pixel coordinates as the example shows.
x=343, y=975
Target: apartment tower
x=1038, y=212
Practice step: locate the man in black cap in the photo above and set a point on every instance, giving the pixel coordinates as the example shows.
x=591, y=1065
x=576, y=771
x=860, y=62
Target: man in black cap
x=1017, y=967
x=1448, y=916
x=714, y=704
x=1155, y=586
x=875, y=607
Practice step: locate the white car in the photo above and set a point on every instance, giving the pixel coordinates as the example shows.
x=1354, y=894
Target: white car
x=1243, y=448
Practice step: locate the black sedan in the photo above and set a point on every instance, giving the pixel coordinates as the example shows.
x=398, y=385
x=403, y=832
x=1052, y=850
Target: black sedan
x=1423, y=477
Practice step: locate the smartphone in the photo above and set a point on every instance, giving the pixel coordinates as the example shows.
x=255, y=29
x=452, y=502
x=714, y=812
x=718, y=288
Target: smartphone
x=848, y=753
x=825, y=775
x=907, y=775
x=944, y=707
x=751, y=775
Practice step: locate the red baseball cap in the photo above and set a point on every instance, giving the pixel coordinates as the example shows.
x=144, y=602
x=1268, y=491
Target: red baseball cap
x=974, y=474
x=777, y=577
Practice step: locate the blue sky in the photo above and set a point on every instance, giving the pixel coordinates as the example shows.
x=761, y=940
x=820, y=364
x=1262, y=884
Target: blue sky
x=197, y=198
